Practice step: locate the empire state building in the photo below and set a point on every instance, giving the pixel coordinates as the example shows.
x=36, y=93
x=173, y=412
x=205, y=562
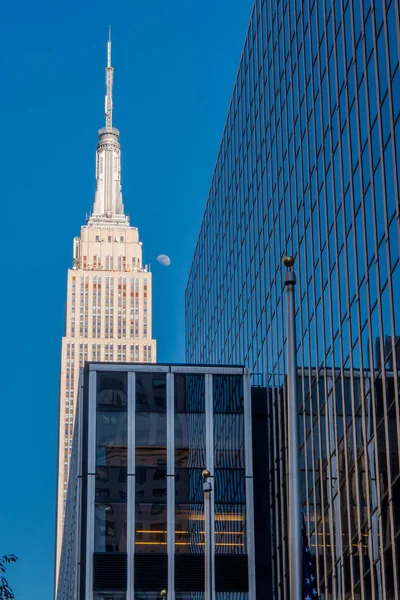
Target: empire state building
x=109, y=293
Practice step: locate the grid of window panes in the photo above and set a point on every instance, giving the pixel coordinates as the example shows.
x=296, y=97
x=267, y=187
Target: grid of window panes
x=151, y=463
x=230, y=476
x=110, y=533
x=309, y=165
x=190, y=460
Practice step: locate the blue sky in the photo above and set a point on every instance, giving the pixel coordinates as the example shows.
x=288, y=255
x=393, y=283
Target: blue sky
x=175, y=64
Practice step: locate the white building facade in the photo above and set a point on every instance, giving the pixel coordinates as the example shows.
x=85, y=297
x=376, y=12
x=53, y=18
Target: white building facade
x=109, y=295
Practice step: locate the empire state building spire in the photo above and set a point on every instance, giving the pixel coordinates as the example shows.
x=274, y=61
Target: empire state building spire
x=109, y=84
x=108, y=209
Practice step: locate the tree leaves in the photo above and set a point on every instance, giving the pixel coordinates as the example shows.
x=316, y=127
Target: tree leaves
x=6, y=592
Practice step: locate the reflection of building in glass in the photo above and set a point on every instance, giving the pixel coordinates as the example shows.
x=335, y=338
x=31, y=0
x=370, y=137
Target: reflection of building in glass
x=309, y=166
x=135, y=510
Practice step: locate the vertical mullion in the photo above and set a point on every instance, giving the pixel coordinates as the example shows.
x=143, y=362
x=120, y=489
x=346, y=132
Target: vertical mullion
x=248, y=456
x=91, y=475
x=79, y=425
x=210, y=464
x=171, y=486
x=131, y=486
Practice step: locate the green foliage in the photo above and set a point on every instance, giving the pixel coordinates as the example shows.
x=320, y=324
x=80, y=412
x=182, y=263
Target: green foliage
x=6, y=592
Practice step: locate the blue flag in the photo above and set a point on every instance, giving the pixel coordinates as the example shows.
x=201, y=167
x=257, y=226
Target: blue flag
x=309, y=578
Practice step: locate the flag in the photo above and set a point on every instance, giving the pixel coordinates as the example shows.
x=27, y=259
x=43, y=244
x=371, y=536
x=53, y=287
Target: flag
x=309, y=579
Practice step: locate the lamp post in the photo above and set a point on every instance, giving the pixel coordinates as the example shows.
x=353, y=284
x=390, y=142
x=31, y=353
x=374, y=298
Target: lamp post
x=207, y=489
x=294, y=533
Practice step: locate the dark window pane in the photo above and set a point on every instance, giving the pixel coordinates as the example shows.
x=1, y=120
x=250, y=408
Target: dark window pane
x=110, y=596
x=229, y=485
x=189, y=528
x=111, y=391
x=188, y=485
x=151, y=429
x=151, y=457
x=228, y=393
x=110, y=527
x=229, y=441
x=147, y=595
x=151, y=392
x=111, y=484
x=111, y=438
x=151, y=485
x=190, y=440
x=151, y=439
x=151, y=528
x=230, y=535
x=189, y=393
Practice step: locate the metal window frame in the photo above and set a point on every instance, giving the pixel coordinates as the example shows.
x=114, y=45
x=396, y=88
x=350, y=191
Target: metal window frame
x=248, y=457
x=91, y=482
x=171, y=485
x=210, y=462
x=131, y=478
x=79, y=424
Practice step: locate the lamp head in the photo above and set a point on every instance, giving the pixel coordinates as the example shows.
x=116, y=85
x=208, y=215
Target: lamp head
x=288, y=261
x=206, y=474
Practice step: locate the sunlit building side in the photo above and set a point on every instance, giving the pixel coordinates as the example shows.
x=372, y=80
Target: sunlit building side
x=108, y=314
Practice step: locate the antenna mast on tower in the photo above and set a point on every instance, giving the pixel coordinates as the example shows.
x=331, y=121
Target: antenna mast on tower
x=109, y=84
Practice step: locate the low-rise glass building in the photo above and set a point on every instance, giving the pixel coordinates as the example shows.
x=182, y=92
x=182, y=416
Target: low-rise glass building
x=135, y=511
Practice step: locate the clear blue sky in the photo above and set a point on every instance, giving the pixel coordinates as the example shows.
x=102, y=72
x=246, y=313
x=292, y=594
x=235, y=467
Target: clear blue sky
x=175, y=64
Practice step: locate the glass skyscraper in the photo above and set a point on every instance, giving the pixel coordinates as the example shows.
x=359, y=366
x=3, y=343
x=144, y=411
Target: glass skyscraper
x=309, y=165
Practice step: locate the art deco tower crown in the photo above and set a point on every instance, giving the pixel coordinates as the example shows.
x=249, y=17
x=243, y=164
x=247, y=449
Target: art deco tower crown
x=108, y=209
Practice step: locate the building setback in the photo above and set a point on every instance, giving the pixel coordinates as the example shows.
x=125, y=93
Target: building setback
x=109, y=294
x=134, y=521
x=309, y=165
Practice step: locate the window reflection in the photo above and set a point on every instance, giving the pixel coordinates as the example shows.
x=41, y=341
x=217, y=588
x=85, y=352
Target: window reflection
x=229, y=441
x=147, y=595
x=189, y=393
x=151, y=429
x=229, y=485
x=190, y=440
x=228, y=393
x=151, y=528
x=151, y=485
x=109, y=596
x=188, y=485
x=230, y=535
x=111, y=390
x=111, y=484
x=110, y=528
x=111, y=438
x=151, y=392
x=189, y=528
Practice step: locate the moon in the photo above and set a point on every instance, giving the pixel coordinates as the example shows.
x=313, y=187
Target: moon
x=163, y=259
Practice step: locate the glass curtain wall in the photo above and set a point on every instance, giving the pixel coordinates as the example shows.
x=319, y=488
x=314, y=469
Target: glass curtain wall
x=111, y=463
x=151, y=463
x=154, y=433
x=190, y=460
x=309, y=165
x=110, y=514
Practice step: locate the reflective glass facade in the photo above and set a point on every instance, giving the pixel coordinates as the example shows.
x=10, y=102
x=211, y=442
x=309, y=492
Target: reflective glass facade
x=309, y=165
x=135, y=519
